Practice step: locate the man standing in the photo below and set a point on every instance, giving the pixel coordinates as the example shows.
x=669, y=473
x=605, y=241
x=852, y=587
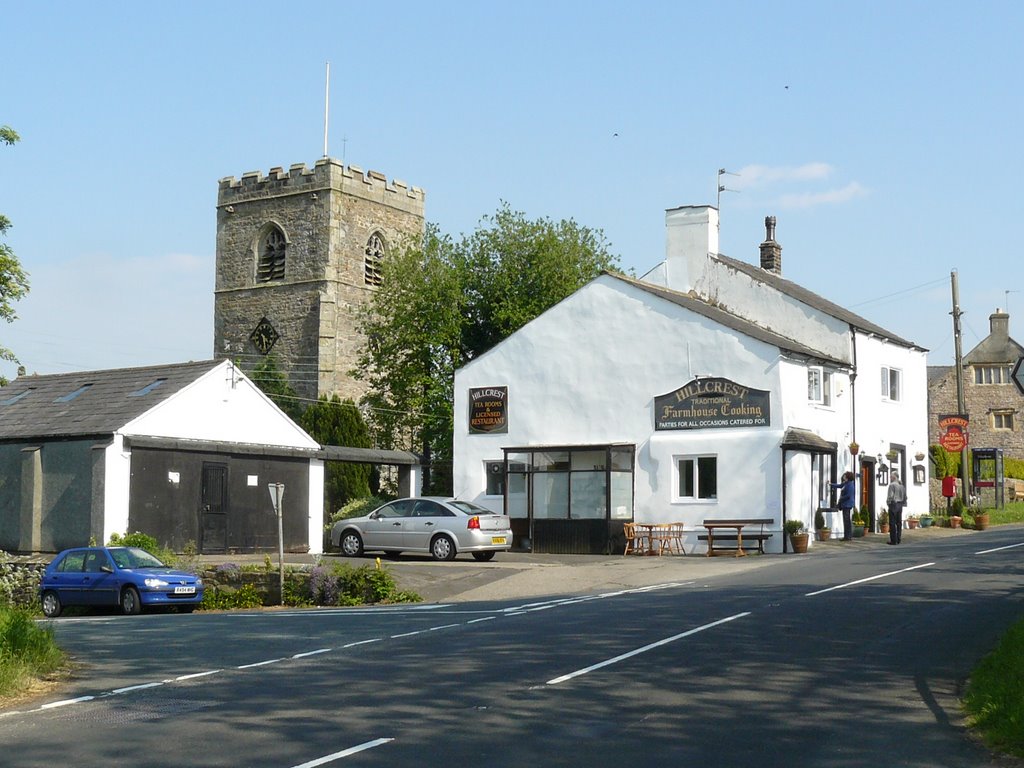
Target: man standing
x=896, y=499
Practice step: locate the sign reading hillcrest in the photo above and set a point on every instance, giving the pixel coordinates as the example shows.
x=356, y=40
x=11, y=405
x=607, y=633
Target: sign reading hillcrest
x=713, y=403
x=488, y=410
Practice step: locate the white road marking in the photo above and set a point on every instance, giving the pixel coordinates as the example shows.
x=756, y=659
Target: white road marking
x=317, y=652
x=999, y=549
x=64, y=703
x=645, y=649
x=118, y=691
x=362, y=642
x=344, y=753
x=869, y=578
x=197, y=674
x=407, y=634
x=443, y=626
x=484, y=618
x=259, y=664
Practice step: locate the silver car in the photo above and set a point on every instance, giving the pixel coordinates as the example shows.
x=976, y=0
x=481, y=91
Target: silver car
x=442, y=527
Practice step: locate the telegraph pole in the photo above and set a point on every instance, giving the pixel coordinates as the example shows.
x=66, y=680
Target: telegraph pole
x=960, y=405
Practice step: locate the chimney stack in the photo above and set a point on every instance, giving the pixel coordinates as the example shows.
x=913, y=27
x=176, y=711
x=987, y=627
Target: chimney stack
x=771, y=251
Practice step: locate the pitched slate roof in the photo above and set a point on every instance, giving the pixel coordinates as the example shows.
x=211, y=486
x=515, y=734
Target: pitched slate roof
x=729, y=320
x=812, y=299
x=89, y=403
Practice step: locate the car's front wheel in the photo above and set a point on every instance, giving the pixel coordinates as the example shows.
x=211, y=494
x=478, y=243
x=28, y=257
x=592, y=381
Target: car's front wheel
x=131, y=605
x=51, y=605
x=442, y=548
x=483, y=557
x=351, y=544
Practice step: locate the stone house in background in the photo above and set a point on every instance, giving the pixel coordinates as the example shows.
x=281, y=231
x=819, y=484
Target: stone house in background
x=994, y=404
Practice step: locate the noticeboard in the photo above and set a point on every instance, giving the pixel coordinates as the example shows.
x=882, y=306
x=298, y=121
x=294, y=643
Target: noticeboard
x=488, y=410
x=712, y=403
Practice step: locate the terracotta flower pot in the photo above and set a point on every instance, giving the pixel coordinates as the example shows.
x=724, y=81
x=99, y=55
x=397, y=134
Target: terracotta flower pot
x=981, y=521
x=799, y=542
x=954, y=521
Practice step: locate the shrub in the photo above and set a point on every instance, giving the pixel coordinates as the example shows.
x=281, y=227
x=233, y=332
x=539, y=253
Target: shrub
x=246, y=596
x=19, y=586
x=142, y=541
x=344, y=585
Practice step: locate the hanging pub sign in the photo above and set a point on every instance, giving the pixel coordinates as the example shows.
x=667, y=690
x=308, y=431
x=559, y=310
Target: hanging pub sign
x=953, y=432
x=488, y=410
x=713, y=403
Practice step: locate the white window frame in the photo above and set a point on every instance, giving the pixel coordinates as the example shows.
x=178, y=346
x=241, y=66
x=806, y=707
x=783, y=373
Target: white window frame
x=819, y=386
x=695, y=461
x=888, y=390
x=1004, y=416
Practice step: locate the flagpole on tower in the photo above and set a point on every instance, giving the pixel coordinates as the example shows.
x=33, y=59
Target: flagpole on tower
x=327, y=104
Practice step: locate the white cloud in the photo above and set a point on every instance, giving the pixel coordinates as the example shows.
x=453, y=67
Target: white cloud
x=851, y=191
x=763, y=175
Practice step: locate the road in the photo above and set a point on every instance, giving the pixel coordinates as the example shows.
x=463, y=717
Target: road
x=848, y=659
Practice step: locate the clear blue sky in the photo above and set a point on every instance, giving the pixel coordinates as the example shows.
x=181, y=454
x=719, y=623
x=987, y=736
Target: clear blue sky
x=884, y=136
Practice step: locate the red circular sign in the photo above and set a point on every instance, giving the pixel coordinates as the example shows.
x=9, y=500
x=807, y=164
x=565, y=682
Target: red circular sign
x=953, y=440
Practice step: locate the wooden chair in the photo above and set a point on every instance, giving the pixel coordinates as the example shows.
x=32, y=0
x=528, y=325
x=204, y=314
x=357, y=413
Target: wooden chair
x=662, y=539
x=635, y=541
x=678, y=531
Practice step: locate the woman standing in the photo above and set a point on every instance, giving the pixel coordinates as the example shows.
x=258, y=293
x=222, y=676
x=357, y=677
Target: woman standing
x=847, y=494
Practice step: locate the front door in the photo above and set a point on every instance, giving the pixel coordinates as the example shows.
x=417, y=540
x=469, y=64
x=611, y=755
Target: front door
x=867, y=491
x=213, y=523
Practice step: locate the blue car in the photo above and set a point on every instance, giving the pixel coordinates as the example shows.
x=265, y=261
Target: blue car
x=126, y=577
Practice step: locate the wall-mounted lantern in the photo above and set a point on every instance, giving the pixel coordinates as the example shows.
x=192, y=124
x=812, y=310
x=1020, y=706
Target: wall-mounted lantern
x=883, y=474
x=918, y=474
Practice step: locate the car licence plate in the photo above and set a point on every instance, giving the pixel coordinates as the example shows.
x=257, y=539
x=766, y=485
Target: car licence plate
x=184, y=590
x=497, y=539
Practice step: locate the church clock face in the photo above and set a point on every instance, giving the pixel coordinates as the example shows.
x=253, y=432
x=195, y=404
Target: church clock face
x=264, y=336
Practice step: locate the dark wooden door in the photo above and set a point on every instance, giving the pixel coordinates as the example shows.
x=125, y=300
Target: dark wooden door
x=213, y=517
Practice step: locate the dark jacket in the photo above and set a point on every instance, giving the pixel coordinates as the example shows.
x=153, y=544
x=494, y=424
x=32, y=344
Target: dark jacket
x=847, y=495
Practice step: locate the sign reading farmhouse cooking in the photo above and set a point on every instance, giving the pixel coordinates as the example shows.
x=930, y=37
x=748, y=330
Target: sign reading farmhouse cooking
x=714, y=403
x=488, y=412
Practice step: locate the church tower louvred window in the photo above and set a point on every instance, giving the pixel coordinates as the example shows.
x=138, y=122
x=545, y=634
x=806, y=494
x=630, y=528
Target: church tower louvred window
x=374, y=255
x=272, y=256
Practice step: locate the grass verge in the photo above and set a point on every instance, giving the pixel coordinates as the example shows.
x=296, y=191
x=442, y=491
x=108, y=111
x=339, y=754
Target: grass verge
x=995, y=695
x=28, y=652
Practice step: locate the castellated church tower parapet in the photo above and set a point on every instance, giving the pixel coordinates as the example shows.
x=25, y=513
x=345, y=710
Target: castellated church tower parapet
x=298, y=253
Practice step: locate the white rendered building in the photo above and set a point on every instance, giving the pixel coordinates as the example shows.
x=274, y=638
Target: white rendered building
x=710, y=388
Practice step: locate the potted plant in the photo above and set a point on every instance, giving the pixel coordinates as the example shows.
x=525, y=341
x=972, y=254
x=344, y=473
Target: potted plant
x=858, y=524
x=912, y=521
x=892, y=455
x=956, y=512
x=824, y=532
x=980, y=520
x=797, y=535
x=926, y=521
x=854, y=448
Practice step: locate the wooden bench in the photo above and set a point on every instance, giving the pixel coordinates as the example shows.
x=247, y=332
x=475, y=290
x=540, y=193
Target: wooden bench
x=740, y=538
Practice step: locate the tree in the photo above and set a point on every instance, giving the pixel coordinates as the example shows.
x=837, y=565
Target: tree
x=333, y=422
x=13, y=279
x=274, y=384
x=444, y=302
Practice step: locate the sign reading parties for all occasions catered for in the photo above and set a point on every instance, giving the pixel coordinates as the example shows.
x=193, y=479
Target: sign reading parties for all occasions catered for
x=712, y=403
x=488, y=410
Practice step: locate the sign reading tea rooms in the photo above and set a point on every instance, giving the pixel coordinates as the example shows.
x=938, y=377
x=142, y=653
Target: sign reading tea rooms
x=488, y=410
x=713, y=403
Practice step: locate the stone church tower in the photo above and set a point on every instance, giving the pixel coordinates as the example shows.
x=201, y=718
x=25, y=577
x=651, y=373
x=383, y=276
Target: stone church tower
x=298, y=252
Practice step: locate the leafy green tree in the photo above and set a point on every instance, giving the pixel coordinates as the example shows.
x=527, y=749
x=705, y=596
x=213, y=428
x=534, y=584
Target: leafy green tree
x=443, y=302
x=274, y=384
x=333, y=422
x=13, y=279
